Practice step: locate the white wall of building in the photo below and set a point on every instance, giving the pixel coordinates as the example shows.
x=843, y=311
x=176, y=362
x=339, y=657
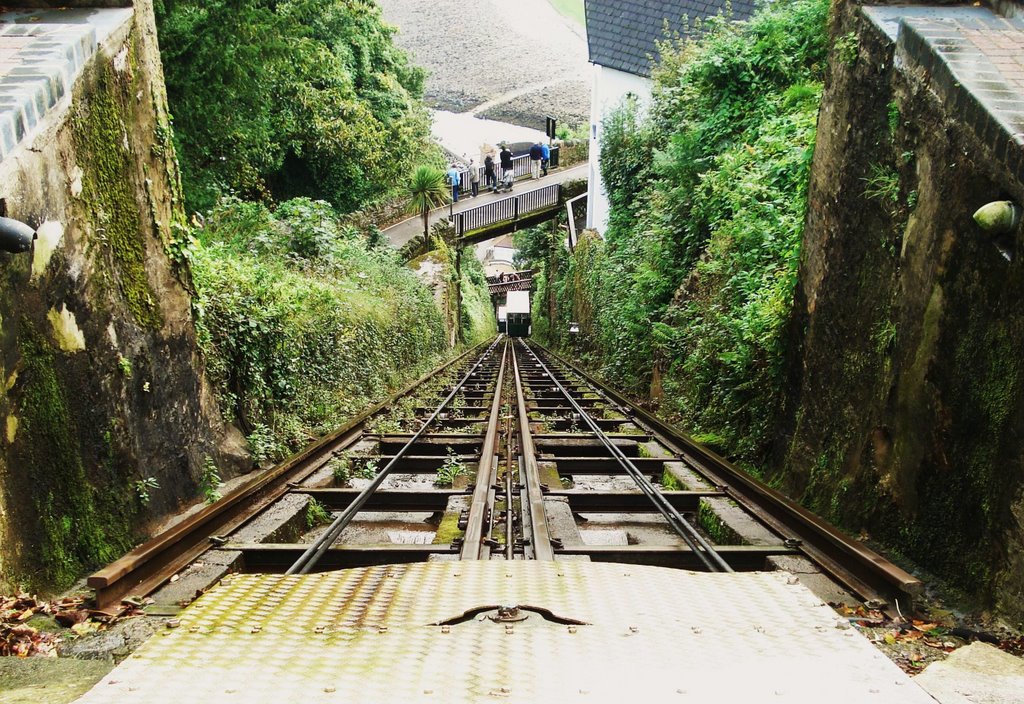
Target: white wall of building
x=517, y=302
x=609, y=89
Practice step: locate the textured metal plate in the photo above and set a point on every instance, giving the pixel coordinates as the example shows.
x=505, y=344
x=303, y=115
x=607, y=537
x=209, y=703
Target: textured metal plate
x=368, y=635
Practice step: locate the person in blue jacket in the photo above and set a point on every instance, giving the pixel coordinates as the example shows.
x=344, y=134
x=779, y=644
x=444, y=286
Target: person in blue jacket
x=453, y=178
x=545, y=157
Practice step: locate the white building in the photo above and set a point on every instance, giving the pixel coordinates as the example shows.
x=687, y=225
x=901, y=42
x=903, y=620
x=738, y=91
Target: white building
x=622, y=36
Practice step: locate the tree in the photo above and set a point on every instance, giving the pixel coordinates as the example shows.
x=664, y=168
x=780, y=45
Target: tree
x=276, y=100
x=426, y=190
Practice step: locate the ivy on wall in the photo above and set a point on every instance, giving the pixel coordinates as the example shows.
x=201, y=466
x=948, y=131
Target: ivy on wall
x=684, y=299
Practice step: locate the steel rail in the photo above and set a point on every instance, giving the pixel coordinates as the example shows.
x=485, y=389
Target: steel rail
x=483, y=493
x=510, y=536
x=146, y=567
x=541, y=536
x=848, y=561
x=683, y=528
x=310, y=557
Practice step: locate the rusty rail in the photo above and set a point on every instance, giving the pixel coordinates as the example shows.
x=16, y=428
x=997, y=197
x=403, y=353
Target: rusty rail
x=847, y=560
x=483, y=493
x=149, y=565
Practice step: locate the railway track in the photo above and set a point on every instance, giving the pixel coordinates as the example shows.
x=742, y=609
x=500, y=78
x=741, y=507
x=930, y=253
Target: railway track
x=506, y=453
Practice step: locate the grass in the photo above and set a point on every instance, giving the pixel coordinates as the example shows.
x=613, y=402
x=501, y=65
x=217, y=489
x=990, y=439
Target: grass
x=573, y=9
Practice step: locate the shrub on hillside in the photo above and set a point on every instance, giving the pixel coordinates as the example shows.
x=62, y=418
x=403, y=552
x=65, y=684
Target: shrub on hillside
x=301, y=322
x=708, y=191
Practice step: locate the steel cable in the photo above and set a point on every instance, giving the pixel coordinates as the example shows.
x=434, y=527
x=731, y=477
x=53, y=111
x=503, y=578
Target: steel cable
x=312, y=555
x=704, y=551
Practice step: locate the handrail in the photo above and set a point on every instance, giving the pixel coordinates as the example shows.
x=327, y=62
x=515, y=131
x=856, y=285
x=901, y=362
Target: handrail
x=573, y=219
x=511, y=208
x=520, y=167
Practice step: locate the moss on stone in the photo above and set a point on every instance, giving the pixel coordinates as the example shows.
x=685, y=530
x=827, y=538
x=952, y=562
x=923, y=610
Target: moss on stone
x=77, y=527
x=710, y=522
x=101, y=120
x=448, y=530
x=670, y=482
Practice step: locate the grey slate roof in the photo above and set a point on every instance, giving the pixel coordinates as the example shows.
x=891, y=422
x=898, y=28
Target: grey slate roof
x=622, y=33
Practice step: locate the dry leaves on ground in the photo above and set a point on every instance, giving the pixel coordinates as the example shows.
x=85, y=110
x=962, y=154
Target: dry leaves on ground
x=18, y=637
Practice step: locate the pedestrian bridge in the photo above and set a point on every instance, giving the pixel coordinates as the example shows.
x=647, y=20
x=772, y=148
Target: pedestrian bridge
x=491, y=215
x=507, y=215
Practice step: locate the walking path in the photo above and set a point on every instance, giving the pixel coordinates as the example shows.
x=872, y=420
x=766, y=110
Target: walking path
x=404, y=231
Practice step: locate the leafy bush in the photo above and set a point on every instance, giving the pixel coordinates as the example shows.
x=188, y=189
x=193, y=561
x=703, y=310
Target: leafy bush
x=285, y=99
x=302, y=323
x=696, y=272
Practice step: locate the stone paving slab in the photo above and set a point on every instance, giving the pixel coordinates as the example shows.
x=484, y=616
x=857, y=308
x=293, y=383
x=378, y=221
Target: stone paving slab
x=975, y=58
x=976, y=674
x=42, y=53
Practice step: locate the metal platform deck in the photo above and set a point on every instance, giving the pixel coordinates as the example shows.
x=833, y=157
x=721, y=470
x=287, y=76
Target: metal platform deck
x=646, y=634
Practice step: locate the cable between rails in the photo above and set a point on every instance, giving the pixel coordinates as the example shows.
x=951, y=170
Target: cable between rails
x=312, y=555
x=683, y=528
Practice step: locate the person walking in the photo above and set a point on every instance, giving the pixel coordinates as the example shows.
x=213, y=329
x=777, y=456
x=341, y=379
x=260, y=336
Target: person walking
x=474, y=177
x=489, y=180
x=545, y=157
x=453, y=178
x=536, y=153
x=507, y=175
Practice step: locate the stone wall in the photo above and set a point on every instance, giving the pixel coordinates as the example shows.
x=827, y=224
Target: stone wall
x=107, y=419
x=905, y=405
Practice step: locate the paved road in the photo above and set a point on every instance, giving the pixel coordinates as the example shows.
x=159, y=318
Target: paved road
x=407, y=229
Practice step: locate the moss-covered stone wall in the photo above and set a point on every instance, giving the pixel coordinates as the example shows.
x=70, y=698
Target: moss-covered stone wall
x=107, y=417
x=905, y=399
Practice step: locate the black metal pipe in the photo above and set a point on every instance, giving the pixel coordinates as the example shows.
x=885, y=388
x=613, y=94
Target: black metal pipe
x=701, y=547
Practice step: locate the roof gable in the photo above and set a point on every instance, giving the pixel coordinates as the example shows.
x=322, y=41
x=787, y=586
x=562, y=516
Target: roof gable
x=622, y=34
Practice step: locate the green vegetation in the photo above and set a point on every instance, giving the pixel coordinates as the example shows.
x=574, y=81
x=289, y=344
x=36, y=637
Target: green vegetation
x=448, y=530
x=695, y=276
x=210, y=482
x=303, y=322
x=84, y=515
x=101, y=118
x=452, y=467
x=883, y=185
x=316, y=514
x=143, y=487
x=670, y=482
x=302, y=98
x=368, y=470
x=848, y=48
x=426, y=191
x=341, y=469
x=573, y=9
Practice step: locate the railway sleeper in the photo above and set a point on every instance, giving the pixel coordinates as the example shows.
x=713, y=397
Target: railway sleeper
x=584, y=446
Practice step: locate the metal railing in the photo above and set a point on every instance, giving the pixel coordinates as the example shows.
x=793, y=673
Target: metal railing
x=506, y=209
x=520, y=167
x=576, y=209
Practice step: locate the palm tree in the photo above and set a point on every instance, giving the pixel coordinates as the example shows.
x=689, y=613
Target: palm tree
x=427, y=190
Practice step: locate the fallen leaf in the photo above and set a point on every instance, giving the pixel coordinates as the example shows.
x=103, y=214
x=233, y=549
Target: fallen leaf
x=85, y=627
x=70, y=618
